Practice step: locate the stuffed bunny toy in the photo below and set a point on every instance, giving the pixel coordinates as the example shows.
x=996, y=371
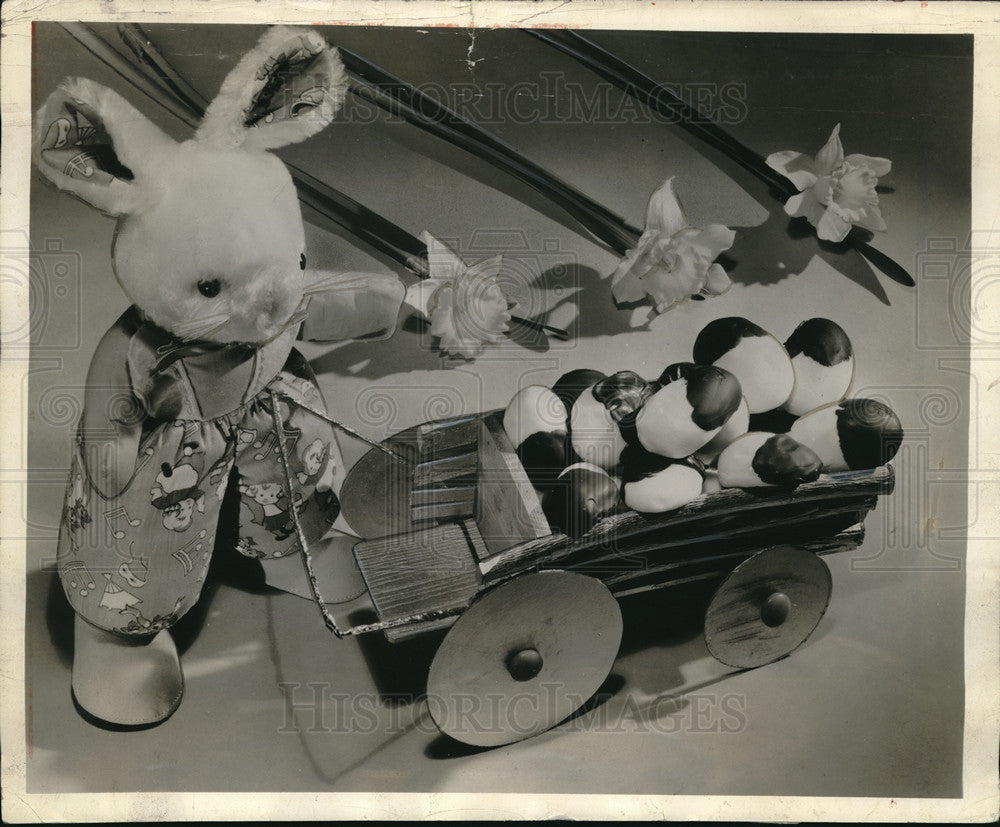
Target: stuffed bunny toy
x=197, y=387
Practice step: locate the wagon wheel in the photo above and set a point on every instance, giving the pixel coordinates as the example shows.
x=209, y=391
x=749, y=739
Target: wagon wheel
x=767, y=607
x=524, y=657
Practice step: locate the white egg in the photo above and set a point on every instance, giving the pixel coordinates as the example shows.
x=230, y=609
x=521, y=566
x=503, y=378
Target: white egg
x=765, y=372
x=758, y=360
x=854, y=434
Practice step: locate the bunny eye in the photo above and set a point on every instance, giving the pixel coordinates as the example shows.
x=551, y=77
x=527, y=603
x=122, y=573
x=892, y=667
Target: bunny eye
x=209, y=288
x=302, y=261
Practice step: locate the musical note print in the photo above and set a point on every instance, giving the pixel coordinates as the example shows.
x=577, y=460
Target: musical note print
x=80, y=578
x=270, y=443
x=183, y=555
x=81, y=165
x=114, y=515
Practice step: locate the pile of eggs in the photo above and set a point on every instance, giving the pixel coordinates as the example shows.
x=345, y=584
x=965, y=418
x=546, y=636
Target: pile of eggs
x=746, y=411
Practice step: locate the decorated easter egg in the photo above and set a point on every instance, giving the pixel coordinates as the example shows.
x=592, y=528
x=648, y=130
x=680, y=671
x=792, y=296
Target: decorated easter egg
x=535, y=423
x=758, y=360
x=689, y=409
x=623, y=394
x=760, y=458
x=855, y=434
x=652, y=483
x=823, y=360
x=582, y=495
x=737, y=425
x=594, y=432
x=569, y=386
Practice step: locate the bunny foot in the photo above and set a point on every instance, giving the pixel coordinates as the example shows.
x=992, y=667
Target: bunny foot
x=124, y=683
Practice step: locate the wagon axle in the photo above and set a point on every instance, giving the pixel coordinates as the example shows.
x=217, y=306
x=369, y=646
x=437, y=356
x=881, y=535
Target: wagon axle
x=524, y=664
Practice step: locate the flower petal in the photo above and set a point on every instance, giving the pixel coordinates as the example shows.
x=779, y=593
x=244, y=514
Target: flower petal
x=488, y=268
x=666, y=288
x=421, y=297
x=713, y=240
x=879, y=166
x=717, y=281
x=797, y=167
x=663, y=212
x=469, y=316
x=442, y=260
x=872, y=219
x=626, y=288
x=805, y=205
x=831, y=227
x=831, y=155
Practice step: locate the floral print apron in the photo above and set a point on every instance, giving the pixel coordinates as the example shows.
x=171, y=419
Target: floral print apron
x=167, y=428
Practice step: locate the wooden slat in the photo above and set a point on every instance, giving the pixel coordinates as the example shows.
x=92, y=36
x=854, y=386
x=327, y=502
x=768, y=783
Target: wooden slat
x=428, y=570
x=479, y=547
x=440, y=470
x=441, y=439
x=401, y=633
x=811, y=524
x=441, y=494
x=726, y=560
x=707, y=514
x=444, y=511
x=508, y=511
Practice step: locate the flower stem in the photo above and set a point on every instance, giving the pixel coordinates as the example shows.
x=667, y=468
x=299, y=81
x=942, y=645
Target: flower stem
x=642, y=87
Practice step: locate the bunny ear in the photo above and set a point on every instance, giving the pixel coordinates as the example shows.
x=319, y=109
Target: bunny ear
x=288, y=88
x=92, y=143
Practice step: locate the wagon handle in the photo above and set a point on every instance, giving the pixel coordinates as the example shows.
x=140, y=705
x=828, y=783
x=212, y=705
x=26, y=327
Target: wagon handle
x=328, y=619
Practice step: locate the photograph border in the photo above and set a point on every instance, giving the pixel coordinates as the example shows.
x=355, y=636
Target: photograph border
x=982, y=638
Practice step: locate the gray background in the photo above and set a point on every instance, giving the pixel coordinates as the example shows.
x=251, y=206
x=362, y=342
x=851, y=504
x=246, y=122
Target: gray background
x=871, y=706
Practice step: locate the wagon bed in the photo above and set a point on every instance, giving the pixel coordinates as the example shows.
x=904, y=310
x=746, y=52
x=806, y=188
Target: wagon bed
x=456, y=536
x=461, y=516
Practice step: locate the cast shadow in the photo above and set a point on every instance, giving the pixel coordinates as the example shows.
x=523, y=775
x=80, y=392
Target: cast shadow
x=669, y=620
x=559, y=291
x=783, y=247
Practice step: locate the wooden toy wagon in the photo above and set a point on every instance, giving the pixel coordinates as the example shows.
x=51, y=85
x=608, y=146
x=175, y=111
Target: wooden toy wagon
x=458, y=540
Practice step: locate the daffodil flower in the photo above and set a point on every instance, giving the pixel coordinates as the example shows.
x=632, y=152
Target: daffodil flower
x=465, y=305
x=673, y=260
x=836, y=192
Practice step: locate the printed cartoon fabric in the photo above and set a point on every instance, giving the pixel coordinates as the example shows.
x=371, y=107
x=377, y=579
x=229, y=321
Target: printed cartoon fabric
x=135, y=562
